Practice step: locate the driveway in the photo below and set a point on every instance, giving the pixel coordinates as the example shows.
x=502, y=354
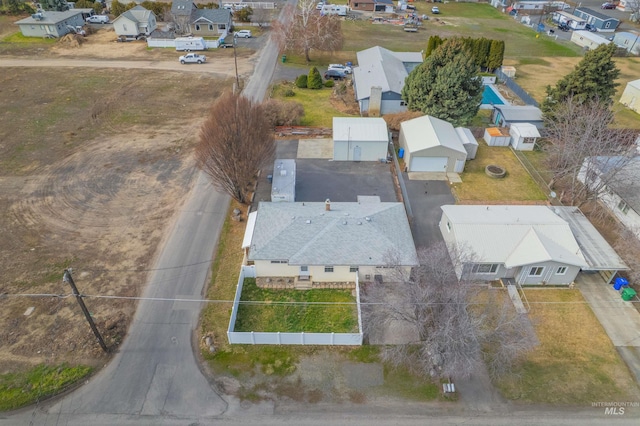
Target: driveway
x=620, y=320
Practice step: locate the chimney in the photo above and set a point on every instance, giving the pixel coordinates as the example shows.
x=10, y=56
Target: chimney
x=327, y=205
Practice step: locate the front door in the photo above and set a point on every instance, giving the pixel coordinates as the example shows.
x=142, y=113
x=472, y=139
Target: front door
x=304, y=272
x=356, y=153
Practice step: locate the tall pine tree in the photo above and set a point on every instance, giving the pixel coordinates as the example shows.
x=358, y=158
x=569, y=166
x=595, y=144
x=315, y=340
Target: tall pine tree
x=446, y=84
x=593, y=79
x=496, y=55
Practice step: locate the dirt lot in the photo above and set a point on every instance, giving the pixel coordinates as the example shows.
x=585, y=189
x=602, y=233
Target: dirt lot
x=93, y=165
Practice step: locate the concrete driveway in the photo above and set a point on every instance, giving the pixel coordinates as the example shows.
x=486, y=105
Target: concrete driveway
x=620, y=320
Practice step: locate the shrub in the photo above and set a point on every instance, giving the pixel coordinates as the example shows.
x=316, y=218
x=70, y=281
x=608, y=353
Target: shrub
x=329, y=83
x=281, y=113
x=315, y=79
x=289, y=93
x=301, y=81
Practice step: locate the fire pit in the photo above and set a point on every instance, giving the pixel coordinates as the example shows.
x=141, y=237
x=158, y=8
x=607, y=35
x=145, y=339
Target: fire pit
x=495, y=172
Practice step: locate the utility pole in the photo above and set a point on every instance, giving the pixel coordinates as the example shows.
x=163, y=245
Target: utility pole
x=68, y=279
x=235, y=60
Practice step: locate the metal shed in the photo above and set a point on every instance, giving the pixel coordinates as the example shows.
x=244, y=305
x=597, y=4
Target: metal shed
x=360, y=139
x=468, y=141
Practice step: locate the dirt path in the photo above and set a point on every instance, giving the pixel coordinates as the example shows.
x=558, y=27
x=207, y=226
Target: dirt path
x=221, y=67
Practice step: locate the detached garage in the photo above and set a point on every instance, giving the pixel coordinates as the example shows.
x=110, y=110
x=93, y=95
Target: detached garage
x=432, y=145
x=360, y=139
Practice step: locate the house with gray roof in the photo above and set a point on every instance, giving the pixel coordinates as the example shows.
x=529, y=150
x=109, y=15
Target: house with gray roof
x=528, y=245
x=379, y=78
x=51, y=24
x=600, y=21
x=628, y=40
x=200, y=22
x=135, y=22
x=313, y=243
x=620, y=193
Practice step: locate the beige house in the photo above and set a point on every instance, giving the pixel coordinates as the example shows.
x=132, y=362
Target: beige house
x=326, y=244
x=136, y=22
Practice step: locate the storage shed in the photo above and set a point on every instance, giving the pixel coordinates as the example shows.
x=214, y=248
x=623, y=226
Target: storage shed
x=360, y=139
x=497, y=136
x=523, y=136
x=631, y=95
x=432, y=145
x=468, y=141
x=283, y=188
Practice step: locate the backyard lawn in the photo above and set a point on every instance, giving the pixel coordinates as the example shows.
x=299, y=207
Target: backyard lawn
x=575, y=362
x=476, y=187
x=294, y=311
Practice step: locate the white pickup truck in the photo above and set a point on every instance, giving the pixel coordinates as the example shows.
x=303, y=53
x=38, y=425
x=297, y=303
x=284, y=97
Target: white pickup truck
x=192, y=58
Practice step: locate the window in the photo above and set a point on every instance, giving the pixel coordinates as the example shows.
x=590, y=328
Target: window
x=197, y=27
x=403, y=103
x=124, y=27
x=529, y=140
x=607, y=25
x=353, y=269
x=536, y=271
x=561, y=270
x=624, y=208
x=304, y=269
x=278, y=261
x=485, y=268
x=328, y=268
x=449, y=226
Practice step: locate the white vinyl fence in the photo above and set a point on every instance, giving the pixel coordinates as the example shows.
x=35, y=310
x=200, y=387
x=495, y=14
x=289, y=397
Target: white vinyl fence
x=279, y=338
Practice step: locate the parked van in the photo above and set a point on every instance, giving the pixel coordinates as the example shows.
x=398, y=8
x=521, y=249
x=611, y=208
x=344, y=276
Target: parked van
x=190, y=43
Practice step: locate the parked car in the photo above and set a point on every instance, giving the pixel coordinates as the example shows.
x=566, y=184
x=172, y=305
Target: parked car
x=342, y=68
x=192, y=58
x=608, y=5
x=243, y=34
x=98, y=19
x=334, y=75
x=590, y=27
x=435, y=10
x=320, y=5
x=563, y=27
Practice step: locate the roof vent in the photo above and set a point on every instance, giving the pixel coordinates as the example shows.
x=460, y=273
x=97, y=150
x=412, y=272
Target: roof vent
x=327, y=204
x=344, y=222
x=308, y=220
x=368, y=219
x=359, y=223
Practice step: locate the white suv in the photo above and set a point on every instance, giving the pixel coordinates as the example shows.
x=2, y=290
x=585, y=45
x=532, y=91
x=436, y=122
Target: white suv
x=339, y=67
x=243, y=33
x=98, y=19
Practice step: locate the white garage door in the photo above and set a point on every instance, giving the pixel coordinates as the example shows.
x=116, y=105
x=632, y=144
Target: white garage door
x=428, y=164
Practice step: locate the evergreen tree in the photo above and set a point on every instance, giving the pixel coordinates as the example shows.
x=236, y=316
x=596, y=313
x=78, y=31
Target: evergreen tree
x=432, y=44
x=593, y=79
x=483, y=52
x=117, y=8
x=446, y=84
x=496, y=55
x=314, y=81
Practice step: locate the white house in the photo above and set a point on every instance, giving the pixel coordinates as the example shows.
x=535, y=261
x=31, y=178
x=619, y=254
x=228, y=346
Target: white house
x=628, y=40
x=431, y=145
x=574, y=22
x=50, y=24
x=620, y=194
x=631, y=95
x=379, y=78
x=313, y=243
x=135, y=22
x=588, y=39
x=528, y=244
x=523, y=136
x=360, y=139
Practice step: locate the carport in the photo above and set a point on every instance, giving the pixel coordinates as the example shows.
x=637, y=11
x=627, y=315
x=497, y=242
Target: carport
x=600, y=256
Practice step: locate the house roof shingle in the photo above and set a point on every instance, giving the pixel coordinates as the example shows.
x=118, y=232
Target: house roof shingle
x=359, y=234
x=50, y=17
x=215, y=16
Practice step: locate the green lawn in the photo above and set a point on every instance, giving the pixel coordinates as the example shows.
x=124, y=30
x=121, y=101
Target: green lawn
x=308, y=314
x=476, y=186
x=23, y=388
x=575, y=362
x=318, y=110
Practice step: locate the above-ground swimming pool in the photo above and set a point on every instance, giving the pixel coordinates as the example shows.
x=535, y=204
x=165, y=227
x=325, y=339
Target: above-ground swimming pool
x=490, y=97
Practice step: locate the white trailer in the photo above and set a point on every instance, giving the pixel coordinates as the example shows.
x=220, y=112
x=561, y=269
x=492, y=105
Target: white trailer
x=190, y=43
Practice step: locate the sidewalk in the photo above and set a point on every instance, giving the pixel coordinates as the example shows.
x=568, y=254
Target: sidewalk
x=620, y=319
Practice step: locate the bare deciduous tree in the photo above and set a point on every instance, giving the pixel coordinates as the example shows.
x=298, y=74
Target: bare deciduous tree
x=305, y=29
x=579, y=135
x=453, y=330
x=235, y=142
